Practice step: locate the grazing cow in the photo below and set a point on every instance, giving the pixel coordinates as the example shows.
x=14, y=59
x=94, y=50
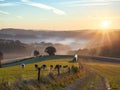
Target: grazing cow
x=58, y=66
x=23, y=66
x=36, y=66
x=44, y=66
x=51, y=67
x=65, y=66
x=75, y=58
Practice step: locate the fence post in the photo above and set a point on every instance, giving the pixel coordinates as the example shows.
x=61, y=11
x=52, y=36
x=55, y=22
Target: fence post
x=39, y=69
x=69, y=70
x=58, y=70
x=0, y=64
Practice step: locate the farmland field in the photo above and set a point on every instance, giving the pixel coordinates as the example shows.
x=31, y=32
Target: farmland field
x=96, y=75
x=100, y=76
x=29, y=71
x=110, y=72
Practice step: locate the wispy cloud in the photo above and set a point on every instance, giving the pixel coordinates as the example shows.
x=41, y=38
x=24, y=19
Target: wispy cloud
x=19, y=17
x=43, y=6
x=89, y=3
x=7, y=13
x=108, y=18
x=9, y=4
x=2, y=0
x=4, y=13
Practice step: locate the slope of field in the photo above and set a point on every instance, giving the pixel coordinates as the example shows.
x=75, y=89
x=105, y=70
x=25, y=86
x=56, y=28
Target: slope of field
x=11, y=70
x=95, y=75
x=110, y=72
x=28, y=60
x=100, y=75
x=13, y=77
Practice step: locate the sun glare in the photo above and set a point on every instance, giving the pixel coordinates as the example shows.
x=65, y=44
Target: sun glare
x=105, y=24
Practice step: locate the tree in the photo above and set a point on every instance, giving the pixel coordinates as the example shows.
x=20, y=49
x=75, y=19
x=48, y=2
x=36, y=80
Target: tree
x=36, y=53
x=1, y=57
x=50, y=50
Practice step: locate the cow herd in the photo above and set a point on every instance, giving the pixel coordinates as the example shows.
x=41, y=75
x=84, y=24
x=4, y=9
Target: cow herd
x=44, y=66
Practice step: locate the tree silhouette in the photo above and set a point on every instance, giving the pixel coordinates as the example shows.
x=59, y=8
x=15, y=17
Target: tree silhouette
x=36, y=53
x=1, y=57
x=50, y=50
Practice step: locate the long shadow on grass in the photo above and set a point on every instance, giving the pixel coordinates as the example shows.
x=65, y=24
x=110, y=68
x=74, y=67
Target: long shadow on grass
x=36, y=59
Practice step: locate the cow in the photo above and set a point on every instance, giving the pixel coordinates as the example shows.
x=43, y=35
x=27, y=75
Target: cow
x=65, y=66
x=36, y=66
x=58, y=66
x=43, y=66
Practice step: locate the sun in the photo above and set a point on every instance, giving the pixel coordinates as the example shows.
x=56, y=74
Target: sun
x=105, y=24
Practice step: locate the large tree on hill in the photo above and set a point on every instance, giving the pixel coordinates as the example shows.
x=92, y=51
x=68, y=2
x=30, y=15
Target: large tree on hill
x=36, y=53
x=1, y=57
x=50, y=50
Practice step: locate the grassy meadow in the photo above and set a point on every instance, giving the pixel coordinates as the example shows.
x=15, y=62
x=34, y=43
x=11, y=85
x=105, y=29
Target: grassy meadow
x=14, y=74
x=94, y=75
x=29, y=72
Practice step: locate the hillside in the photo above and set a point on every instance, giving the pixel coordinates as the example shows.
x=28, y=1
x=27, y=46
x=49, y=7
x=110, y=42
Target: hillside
x=91, y=42
x=87, y=74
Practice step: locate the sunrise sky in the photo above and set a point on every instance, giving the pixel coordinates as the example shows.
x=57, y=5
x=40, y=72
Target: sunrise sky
x=60, y=14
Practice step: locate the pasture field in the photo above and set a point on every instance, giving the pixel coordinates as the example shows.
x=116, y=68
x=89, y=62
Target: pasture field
x=27, y=79
x=95, y=75
x=29, y=72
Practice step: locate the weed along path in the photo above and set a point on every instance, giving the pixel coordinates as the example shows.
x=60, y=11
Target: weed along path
x=99, y=76
x=91, y=81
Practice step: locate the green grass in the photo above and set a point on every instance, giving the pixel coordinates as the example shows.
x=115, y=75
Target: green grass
x=37, y=59
x=29, y=72
x=27, y=79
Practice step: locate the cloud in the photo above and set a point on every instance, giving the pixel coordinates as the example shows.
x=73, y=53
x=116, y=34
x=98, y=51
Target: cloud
x=7, y=13
x=43, y=6
x=4, y=13
x=2, y=0
x=100, y=18
x=9, y=4
x=19, y=17
x=90, y=3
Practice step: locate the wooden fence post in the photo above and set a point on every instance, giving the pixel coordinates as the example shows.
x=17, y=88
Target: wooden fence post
x=39, y=69
x=58, y=70
x=0, y=64
x=69, y=70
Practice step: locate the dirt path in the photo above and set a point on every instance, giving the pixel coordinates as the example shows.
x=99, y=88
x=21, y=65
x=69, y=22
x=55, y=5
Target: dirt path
x=77, y=83
x=91, y=81
x=101, y=84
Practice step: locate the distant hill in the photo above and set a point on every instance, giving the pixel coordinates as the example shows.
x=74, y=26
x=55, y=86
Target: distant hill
x=76, y=37
x=15, y=49
x=21, y=33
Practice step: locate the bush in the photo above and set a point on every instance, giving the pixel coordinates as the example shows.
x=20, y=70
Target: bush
x=75, y=69
x=5, y=85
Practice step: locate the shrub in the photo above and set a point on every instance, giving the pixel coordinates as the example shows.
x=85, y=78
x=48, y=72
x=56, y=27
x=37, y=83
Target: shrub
x=75, y=69
x=5, y=85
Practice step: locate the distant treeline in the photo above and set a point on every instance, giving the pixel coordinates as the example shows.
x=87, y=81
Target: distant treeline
x=11, y=46
x=15, y=48
x=112, y=49
x=109, y=48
